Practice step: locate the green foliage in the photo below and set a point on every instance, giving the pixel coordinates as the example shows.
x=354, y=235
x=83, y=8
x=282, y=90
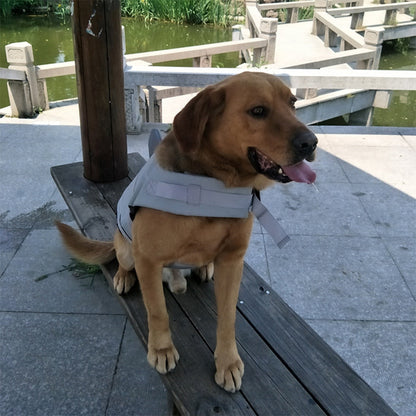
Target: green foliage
x=218, y=12
x=60, y=8
x=78, y=269
x=399, y=45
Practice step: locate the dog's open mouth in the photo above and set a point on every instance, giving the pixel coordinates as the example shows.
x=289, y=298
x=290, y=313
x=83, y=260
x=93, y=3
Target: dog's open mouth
x=299, y=172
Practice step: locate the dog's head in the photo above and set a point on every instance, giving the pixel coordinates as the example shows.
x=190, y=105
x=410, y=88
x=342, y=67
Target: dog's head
x=247, y=123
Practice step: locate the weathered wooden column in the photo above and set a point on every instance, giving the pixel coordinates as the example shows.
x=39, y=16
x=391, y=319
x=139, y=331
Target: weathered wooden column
x=99, y=66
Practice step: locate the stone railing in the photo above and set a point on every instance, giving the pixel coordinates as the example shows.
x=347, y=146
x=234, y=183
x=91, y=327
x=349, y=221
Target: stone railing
x=27, y=81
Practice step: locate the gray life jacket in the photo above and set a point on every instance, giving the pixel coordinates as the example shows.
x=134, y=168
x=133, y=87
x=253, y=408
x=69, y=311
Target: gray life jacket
x=191, y=195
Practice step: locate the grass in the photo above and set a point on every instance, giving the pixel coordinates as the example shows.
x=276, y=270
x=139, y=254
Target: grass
x=78, y=269
x=218, y=12
x=60, y=8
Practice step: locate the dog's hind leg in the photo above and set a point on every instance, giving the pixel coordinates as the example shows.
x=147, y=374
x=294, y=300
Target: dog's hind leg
x=175, y=278
x=125, y=277
x=205, y=273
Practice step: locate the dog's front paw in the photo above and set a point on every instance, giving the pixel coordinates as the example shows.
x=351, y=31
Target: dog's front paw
x=163, y=359
x=205, y=273
x=124, y=281
x=230, y=371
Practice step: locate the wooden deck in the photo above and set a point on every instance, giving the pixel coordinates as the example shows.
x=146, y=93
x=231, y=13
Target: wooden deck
x=289, y=368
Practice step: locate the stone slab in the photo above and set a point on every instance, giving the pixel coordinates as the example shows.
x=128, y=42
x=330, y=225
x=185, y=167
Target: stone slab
x=383, y=353
x=137, y=388
x=38, y=280
x=329, y=277
x=26, y=182
x=57, y=364
x=331, y=209
x=402, y=250
x=10, y=241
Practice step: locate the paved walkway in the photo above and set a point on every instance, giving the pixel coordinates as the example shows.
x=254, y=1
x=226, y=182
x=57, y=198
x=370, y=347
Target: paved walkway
x=66, y=347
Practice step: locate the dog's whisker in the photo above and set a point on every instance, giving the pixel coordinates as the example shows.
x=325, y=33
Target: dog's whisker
x=316, y=188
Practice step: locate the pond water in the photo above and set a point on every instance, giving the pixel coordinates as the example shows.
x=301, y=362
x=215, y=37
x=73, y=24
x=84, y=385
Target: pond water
x=52, y=42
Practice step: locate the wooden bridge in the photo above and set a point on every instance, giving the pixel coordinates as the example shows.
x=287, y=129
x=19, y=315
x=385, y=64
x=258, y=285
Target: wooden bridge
x=341, y=38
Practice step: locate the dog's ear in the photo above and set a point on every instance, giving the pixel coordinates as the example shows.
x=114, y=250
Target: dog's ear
x=191, y=122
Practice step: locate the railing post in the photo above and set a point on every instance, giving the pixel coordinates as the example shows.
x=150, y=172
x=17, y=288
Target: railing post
x=202, y=61
x=292, y=15
x=30, y=96
x=391, y=17
x=357, y=21
x=318, y=28
x=268, y=29
x=134, y=97
x=237, y=34
x=373, y=38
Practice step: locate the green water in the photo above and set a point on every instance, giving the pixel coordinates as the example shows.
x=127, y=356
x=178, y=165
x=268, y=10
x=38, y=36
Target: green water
x=52, y=42
x=402, y=109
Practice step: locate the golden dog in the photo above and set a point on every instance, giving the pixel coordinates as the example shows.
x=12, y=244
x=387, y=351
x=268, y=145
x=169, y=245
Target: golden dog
x=242, y=131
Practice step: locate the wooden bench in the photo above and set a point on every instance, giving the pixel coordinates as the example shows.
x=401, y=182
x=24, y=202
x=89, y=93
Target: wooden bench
x=289, y=369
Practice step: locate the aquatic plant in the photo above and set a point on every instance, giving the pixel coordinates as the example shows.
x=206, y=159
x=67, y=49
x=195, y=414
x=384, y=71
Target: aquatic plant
x=219, y=12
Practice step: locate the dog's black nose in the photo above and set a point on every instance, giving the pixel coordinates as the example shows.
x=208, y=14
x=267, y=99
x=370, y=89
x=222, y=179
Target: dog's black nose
x=305, y=143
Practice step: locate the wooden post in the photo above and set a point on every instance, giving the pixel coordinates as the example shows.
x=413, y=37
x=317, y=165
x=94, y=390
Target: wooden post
x=99, y=67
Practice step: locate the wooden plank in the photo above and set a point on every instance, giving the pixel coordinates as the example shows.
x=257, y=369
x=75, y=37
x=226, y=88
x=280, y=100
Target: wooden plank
x=336, y=387
x=91, y=211
x=267, y=384
x=192, y=382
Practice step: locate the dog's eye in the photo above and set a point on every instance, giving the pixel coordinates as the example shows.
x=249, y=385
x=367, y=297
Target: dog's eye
x=292, y=101
x=258, y=111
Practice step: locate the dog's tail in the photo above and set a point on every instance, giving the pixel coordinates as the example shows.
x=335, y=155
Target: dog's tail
x=85, y=249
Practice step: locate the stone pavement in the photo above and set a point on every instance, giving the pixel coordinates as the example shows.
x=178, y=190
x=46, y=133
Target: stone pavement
x=66, y=347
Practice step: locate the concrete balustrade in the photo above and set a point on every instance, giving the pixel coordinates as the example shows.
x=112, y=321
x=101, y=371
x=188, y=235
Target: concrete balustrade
x=29, y=95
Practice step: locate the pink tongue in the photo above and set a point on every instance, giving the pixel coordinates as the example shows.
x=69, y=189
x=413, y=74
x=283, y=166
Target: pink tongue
x=301, y=172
